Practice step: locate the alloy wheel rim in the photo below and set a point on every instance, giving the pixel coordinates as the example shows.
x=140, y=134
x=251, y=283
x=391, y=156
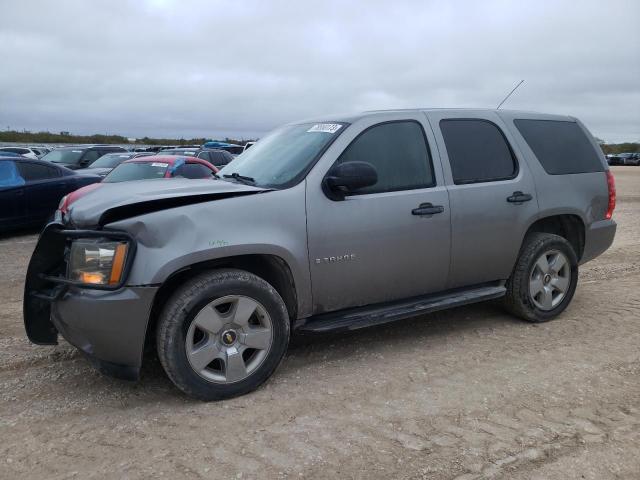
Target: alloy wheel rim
x=229, y=339
x=549, y=280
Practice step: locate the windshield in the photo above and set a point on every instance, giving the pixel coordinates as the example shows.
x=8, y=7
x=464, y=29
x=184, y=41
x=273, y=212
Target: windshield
x=63, y=156
x=280, y=157
x=136, y=171
x=110, y=160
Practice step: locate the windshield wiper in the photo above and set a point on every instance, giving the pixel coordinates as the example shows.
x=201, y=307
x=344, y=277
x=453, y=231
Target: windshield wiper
x=240, y=178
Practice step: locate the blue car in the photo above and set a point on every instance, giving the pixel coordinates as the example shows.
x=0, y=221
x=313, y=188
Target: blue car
x=30, y=190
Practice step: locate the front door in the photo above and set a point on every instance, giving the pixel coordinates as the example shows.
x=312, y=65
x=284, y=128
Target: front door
x=380, y=244
x=492, y=195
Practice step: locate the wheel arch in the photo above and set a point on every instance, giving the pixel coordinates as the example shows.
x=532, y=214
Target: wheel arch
x=570, y=226
x=271, y=268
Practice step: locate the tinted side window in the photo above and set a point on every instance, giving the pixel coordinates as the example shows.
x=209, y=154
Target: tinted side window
x=561, y=147
x=398, y=151
x=192, y=170
x=221, y=158
x=33, y=171
x=478, y=151
x=91, y=156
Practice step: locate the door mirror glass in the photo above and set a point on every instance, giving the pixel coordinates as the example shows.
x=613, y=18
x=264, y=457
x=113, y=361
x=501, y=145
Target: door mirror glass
x=348, y=177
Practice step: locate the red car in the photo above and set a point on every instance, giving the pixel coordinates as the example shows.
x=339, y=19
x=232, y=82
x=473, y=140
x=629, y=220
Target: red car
x=143, y=168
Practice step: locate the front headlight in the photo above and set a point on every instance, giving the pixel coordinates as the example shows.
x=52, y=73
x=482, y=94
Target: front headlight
x=97, y=261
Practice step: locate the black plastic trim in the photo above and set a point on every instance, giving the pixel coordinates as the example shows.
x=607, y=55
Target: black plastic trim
x=378, y=314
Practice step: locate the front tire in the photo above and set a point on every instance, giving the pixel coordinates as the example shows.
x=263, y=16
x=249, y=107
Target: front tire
x=544, y=279
x=222, y=334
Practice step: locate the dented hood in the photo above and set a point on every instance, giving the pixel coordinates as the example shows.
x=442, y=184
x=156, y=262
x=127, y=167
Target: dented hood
x=116, y=201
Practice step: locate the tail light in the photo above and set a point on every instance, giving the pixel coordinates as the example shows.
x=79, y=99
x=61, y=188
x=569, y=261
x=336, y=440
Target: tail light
x=62, y=206
x=611, y=185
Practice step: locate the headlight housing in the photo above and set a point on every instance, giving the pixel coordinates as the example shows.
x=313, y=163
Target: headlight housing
x=99, y=261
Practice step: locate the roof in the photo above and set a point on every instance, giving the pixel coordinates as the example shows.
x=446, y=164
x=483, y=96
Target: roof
x=353, y=117
x=170, y=159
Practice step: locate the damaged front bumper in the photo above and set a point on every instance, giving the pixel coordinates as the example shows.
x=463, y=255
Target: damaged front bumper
x=109, y=325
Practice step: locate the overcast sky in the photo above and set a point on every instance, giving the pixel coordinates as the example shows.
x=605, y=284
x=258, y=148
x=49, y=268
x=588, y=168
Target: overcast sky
x=206, y=68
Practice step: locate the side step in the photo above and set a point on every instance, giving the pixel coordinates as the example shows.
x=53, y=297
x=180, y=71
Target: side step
x=378, y=314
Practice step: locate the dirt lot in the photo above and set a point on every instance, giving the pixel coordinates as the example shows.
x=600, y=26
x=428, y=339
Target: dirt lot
x=469, y=393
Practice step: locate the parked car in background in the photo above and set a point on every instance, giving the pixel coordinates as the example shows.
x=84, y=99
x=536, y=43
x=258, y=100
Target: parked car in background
x=190, y=151
x=630, y=158
x=40, y=151
x=24, y=151
x=219, y=158
x=31, y=189
x=108, y=162
x=232, y=148
x=157, y=148
x=146, y=168
x=615, y=159
x=79, y=157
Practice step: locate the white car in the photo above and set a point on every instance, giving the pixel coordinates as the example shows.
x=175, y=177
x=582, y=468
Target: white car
x=24, y=151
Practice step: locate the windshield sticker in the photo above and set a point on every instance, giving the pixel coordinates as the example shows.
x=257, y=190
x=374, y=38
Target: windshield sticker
x=325, y=127
x=76, y=151
x=158, y=164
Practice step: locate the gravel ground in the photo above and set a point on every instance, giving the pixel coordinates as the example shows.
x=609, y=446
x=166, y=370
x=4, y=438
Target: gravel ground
x=468, y=393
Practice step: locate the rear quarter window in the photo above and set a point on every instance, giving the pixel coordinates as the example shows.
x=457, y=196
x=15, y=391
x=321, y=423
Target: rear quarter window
x=562, y=147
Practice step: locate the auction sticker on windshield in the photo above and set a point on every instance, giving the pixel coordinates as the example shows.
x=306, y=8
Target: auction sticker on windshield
x=325, y=127
x=159, y=164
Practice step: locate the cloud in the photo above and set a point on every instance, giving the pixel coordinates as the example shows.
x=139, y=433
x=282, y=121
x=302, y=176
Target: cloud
x=204, y=68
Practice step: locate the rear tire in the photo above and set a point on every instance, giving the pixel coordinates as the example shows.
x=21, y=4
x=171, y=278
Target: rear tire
x=544, y=279
x=222, y=334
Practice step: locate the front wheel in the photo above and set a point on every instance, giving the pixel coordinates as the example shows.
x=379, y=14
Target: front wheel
x=544, y=279
x=222, y=334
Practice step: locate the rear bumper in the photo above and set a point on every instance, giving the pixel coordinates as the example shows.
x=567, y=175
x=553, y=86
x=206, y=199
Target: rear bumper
x=597, y=239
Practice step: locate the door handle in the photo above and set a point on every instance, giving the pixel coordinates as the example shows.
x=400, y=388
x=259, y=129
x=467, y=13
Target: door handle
x=519, y=197
x=427, y=209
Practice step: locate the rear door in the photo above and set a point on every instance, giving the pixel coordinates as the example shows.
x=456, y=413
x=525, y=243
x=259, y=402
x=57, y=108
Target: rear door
x=43, y=189
x=491, y=191
x=376, y=246
x=13, y=206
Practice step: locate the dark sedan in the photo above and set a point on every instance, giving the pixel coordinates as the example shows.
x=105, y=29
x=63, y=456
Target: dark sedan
x=30, y=190
x=79, y=157
x=108, y=162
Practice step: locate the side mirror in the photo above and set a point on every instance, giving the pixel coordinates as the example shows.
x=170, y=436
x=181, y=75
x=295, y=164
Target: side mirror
x=347, y=178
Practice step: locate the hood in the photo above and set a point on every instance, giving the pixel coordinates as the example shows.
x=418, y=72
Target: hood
x=117, y=201
x=102, y=171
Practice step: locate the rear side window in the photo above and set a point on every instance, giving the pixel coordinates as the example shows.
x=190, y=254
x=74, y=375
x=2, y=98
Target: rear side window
x=478, y=151
x=9, y=175
x=399, y=153
x=193, y=170
x=561, y=147
x=33, y=171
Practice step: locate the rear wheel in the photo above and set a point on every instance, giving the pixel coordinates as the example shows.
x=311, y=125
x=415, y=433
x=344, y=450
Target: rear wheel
x=222, y=334
x=544, y=279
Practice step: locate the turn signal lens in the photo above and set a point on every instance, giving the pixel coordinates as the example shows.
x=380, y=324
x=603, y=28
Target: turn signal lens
x=118, y=264
x=93, y=278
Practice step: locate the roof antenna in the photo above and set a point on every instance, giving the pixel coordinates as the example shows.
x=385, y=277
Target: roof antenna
x=505, y=98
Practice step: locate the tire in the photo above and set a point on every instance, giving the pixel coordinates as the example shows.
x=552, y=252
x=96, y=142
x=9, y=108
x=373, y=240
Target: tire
x=189, y=332
x=528, y=277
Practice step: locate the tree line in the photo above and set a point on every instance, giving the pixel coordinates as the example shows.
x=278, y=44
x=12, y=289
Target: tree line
x=66, y=137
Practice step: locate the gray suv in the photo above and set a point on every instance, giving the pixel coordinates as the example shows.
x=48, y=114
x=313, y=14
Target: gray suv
x=325, y=225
